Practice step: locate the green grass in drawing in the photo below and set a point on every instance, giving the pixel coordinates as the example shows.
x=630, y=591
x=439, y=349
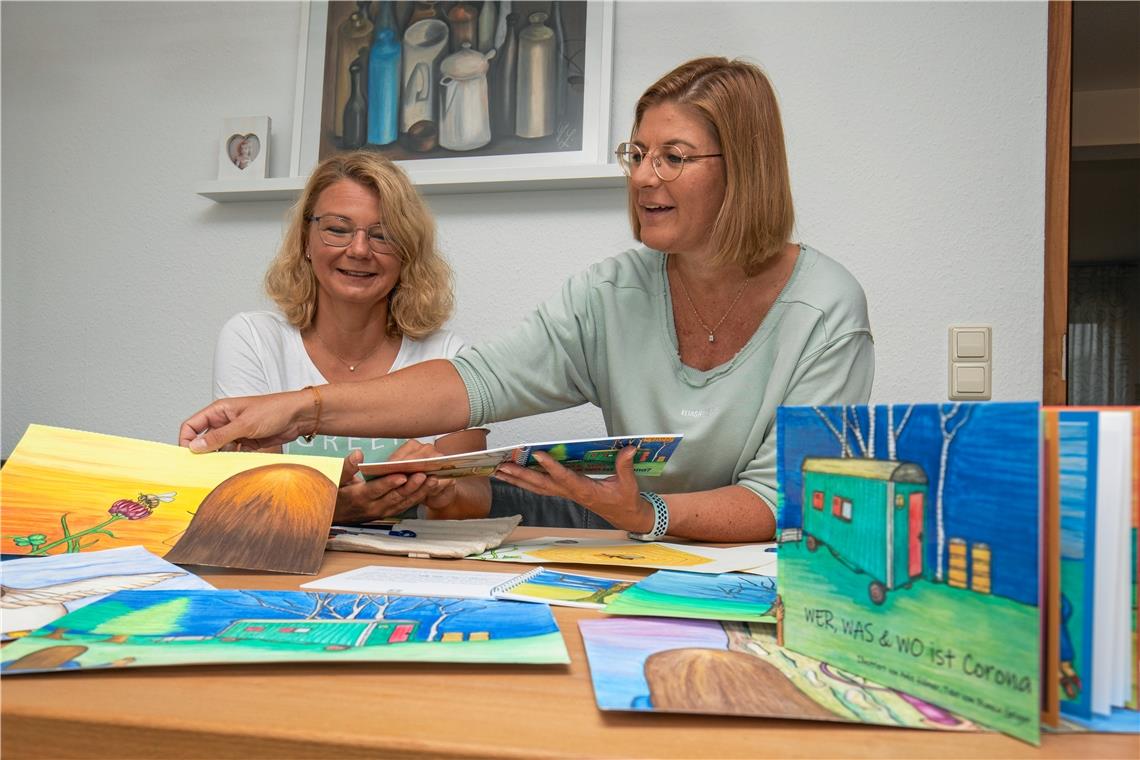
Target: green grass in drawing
x=952, y=650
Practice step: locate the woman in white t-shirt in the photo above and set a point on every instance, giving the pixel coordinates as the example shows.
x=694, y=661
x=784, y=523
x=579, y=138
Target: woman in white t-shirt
x=362, y=292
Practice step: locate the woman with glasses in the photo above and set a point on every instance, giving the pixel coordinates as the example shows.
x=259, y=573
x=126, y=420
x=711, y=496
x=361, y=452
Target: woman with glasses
x=361, y=292
x=706, y=330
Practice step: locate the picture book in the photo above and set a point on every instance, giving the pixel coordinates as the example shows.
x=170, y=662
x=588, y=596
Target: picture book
x=67, y=491
x=150, y=628
x=1094, y=465
x=734, y=668
x=563, y=589
x=34, y=591
x=727, y=596
x=692, y=558
x=910, y=551
x=536, y=585
x=589, y=456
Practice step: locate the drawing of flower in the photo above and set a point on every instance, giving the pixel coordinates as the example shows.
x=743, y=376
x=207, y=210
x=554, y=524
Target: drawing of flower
x=129, y=509
x=132, y=510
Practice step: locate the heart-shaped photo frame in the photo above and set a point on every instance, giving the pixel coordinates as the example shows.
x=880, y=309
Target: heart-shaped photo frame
x=243, y=150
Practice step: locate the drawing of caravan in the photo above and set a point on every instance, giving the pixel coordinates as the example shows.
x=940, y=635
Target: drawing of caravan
x=869, y=514
x=331, y=634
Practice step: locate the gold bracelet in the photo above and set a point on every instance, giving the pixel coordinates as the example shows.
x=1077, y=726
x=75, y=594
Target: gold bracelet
x=317, y=422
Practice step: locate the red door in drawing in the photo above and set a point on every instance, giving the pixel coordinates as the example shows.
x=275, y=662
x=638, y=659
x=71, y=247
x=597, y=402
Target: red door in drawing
x=914, y=533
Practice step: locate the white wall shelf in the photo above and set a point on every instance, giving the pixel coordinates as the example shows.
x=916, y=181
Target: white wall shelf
x=431, y=183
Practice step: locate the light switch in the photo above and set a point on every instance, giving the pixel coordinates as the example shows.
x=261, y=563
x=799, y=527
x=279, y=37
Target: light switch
x=970, y=358
x=969, y=378
x=971, y=344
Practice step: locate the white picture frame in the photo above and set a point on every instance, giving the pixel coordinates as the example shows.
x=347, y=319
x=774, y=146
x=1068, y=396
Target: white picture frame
x=591, y=166
x=243, y=148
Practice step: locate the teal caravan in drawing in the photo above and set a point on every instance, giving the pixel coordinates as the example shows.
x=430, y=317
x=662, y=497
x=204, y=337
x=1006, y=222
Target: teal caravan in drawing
x=869, y=514
x=331, y=634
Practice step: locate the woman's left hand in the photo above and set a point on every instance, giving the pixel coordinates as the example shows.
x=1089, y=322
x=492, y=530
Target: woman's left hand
x=614, y=498
x=435, y=493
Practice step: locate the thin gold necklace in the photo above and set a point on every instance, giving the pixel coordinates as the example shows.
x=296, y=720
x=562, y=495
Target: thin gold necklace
x=710, y=330
x=351, y=365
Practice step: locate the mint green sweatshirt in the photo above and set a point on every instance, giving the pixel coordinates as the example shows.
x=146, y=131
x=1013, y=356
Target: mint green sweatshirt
x=609, y=340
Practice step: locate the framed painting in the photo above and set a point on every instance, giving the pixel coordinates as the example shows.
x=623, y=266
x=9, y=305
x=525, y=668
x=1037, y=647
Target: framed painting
x=460, y=93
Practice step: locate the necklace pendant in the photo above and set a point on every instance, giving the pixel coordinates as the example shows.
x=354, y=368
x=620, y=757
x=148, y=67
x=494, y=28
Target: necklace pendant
x=711, y=338
x=352, y=368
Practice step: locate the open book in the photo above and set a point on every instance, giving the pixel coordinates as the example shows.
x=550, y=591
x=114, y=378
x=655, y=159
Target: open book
x=588, y=456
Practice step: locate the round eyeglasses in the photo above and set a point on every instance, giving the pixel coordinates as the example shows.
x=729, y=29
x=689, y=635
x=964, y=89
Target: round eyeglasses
x=340, y=232
x=667, y=160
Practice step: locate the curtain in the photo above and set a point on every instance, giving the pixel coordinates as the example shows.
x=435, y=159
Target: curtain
x=1104, y=332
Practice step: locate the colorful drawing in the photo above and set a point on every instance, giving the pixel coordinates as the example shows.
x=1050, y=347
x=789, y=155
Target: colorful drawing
x=689, y=557
x=1077, y=458
x=728, y=596
x=68, y=491
x=36, y=591
x=566, y=589
x=733, y=668
x=910, y=547
x=145, y=628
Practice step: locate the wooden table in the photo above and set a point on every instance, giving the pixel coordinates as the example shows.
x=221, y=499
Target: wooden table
x=416, y=710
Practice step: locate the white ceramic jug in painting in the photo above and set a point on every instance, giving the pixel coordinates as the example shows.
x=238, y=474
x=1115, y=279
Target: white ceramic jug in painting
x=424, y=41
x=465, y=123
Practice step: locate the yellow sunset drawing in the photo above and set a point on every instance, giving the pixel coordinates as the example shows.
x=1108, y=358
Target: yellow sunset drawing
x=653, y=555
x=111, y=491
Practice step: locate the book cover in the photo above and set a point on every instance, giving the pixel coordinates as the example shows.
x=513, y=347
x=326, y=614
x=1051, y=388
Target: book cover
x=1095, y=631
x=910, y=550
x=589, y=456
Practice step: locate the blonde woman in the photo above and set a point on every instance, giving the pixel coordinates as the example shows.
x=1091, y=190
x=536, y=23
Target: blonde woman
x=361, y=292
x=709, y=327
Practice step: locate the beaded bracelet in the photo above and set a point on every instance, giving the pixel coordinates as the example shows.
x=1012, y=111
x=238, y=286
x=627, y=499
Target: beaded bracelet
x=317, y=422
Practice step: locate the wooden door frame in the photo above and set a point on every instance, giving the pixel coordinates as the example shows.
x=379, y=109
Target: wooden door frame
x=1058, y=138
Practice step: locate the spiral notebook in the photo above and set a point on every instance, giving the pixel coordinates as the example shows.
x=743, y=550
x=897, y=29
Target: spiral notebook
x=536, y=585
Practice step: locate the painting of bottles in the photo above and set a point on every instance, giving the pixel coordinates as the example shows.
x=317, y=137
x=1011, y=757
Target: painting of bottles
x=439, y=79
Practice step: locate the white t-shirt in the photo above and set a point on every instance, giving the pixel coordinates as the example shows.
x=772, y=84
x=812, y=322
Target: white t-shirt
x=259, y=352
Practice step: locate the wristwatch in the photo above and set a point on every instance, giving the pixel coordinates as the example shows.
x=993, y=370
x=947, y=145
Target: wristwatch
x=660, y=518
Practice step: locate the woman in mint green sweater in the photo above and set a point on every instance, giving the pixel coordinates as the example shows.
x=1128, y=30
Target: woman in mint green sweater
x=706, y=330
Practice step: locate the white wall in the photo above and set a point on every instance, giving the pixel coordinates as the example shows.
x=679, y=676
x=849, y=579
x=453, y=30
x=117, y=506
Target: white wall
x=915, y=131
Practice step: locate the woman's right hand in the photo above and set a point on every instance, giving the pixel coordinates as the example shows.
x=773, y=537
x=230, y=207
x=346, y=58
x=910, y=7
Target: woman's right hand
x=359, y=500
x=256, y=422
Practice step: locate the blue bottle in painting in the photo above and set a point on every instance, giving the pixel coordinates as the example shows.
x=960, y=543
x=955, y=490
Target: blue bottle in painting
x=383, y=88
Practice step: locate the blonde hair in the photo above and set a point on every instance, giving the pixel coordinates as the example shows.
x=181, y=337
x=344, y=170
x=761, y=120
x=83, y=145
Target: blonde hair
x=421, y=301
x=739, y=105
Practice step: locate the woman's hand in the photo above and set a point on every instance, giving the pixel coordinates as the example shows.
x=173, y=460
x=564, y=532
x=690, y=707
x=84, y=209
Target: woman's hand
x=255, y=422
x=439, y=493
x=361, y=500
x=614, y=498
